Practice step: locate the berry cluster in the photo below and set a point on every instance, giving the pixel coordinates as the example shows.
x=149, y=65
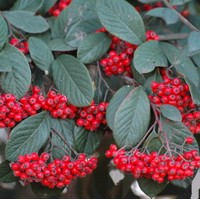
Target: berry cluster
x=57, y=105
x=58, y=7
x=171, y=91
x=154, y=166
x=58, y=173
x=151, y=35
x=120, y=55
x=192, y=121
x=21, y=45
x=13, y=111
x=93, y=116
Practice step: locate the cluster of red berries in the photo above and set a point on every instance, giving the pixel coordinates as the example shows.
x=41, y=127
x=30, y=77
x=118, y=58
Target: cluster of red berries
x=192, y=121
x=151, y=35
x=58, y=173
x=21, y=45
x=171, y=91
x=148, y=7
x=58, y=106
x=121, y=54
x=93, y=116
x=158, y=167
x=13, y=111
x=58, y=7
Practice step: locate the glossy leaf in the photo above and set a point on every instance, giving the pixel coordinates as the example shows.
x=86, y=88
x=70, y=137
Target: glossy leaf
x=68, y=79
x=93, y=47
x=132, y=118
x=122, y=20
x=25, y=140
x=148, y=56
x=40, y=53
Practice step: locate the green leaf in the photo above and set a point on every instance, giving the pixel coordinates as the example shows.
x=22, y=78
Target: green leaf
x=132, y=118
x=122, y=20
x=194, y=43
x=181, y=62
x=86, y=141
x=5, y=64
x=6, y=173
x=171, y=112
x=4, y=32
x=26, y=21
x=93, y=47
x=40, y=53
x=44, y=192
x=18, y=80
x=65, y=129
x=148, y=1
x=73, y=84
x=28, y=5
x=196, y=59
x=140, y=78
x=177, y=132
x=183, y=183
x=28, y=136
x=178, y=2
x=153, y=142
x=80, y=30
x=114, y=104
x=59, y=45
x=150, y=187
x=167, y=14
x=148, y=56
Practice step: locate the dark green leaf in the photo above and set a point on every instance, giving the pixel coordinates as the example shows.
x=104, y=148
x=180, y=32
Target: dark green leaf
x=18, y=80
x=183, y=183
x=194, y=43
x=87, y=141
x=40, y=53
x=93, y=47
x=196, y=59
x=4, y=32
x=167, y=14
x=59, y=45
x=28, y=5
x=68, y=79
x=132, y=118
x=140, y=78
x=171, y=112
x=44, y=192
x=65, y=129
x=5, y=64
x=148, y=56
x=178, y=2
x=122, y=20
x=26, y=21
x=28, y=136
x=6, y=173
x=150, y=187
x=114, y=104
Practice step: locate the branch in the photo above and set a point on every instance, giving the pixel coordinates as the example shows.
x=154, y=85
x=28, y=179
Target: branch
x=175, y=36
x=183, y=19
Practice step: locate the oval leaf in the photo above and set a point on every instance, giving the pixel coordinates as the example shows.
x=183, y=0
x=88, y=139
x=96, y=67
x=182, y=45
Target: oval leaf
x=73, y=84
x=194, y=43
x=26, y=21
x=132, y=118
x=4, y=32
x=122, y=20
x=6, y=173
x=18, y=80
x=40, y=53
x=5, y=64
x=114, y=104
x=148, y=56
x=86, y=141
x=171, y=112
x=93, y=47
x=25, y=140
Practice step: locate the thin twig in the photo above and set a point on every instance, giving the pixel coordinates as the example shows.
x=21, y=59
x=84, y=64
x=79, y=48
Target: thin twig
x=183, y=19
x=175, y=36
x=101, y=77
